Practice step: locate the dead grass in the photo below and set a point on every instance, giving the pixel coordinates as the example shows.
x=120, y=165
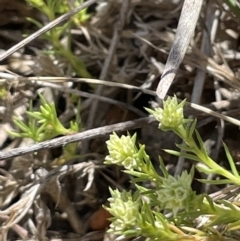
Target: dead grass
x=125, y=49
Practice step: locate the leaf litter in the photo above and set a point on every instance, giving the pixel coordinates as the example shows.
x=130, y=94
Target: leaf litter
x=124, y=46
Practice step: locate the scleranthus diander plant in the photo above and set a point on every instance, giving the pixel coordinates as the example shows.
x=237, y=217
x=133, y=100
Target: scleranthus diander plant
x=44, y=124
x=169, y=210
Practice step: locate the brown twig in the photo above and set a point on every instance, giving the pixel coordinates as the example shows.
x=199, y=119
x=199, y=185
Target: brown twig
x=85, y=135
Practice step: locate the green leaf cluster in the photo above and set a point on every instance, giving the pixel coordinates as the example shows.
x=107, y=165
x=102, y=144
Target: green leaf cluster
x=44, y=125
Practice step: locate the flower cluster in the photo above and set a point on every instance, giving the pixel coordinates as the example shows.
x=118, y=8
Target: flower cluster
x=175, y=193
x=171, y=116
x=122, y=151
x=125, y=209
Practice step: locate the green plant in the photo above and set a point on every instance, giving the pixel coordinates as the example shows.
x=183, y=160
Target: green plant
x=234, y=7
x=44, y=125
x=3, y=92
x=142, y=213
x=53, y=8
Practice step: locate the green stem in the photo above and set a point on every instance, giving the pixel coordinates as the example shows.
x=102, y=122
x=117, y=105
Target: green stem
x=77, y=64
x=205, y=159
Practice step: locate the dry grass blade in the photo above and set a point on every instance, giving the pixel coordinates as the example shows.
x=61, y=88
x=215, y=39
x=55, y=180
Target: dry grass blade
x=186, y=26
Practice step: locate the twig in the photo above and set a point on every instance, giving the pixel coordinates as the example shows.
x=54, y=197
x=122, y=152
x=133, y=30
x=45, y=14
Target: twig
x=93, y=96
x=187, y=23
x=101, y=131
x=46, y=28
x=85, y=135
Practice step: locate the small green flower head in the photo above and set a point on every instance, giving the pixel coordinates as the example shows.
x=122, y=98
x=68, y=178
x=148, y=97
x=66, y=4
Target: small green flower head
x=124, y=208
x=122, y=151
x=171, y=116
x=176, y=193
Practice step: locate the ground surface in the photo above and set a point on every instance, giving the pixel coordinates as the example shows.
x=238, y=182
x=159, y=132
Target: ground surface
x=128, y=48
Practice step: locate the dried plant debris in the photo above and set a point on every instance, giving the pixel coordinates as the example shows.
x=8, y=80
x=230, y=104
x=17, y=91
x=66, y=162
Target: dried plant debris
x=101, y=68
